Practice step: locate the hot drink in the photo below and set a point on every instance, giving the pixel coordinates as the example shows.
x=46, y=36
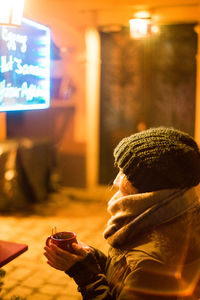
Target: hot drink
x=63, y=240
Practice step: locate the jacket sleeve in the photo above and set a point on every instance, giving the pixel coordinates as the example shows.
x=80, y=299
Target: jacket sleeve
x=89, y=275
x=146, y=282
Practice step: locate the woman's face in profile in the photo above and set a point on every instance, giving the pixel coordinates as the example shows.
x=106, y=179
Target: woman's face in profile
x=124, y=185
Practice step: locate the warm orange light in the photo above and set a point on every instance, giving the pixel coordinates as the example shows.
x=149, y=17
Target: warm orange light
x=11, y=12
x=140, y=24
x=155, y=29
x=92, y=104
x=139, y=27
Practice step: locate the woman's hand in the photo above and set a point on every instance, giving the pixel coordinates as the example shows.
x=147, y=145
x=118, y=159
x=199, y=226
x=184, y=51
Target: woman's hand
x=63, y=260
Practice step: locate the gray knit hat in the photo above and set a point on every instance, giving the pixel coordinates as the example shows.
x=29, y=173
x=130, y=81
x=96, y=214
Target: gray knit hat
x=159, y=158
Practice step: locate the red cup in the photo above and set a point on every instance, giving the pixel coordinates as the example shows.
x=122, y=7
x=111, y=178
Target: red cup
x=63, y=240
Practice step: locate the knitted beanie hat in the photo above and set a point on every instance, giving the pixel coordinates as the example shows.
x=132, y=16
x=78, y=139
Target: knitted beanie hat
x=159, y=158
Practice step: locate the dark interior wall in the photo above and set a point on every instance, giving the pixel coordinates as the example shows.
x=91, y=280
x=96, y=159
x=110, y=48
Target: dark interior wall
x=29, y=124
x=145, y=83
x=57, y=126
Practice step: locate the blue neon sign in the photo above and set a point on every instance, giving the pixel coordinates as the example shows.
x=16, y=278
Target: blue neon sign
x=24, y=67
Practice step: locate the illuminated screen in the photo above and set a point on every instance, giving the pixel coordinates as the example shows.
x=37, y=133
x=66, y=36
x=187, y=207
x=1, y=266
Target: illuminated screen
x=24, y=67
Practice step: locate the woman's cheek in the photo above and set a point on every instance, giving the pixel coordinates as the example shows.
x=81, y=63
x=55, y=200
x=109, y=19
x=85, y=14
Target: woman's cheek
x=127, y=188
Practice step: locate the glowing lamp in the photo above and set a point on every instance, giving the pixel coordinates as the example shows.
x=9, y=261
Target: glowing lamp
x=139, y=28
x=140, y=25
x=11, y=12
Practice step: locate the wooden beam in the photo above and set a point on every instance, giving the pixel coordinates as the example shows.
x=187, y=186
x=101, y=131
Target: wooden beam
x=92, y=106
x=2, y=126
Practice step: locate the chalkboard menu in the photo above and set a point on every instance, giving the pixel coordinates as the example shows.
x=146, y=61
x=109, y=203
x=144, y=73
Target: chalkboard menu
x=24, y=67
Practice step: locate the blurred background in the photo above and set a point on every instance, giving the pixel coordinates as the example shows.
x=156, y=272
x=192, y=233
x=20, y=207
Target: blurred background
x=116, y=67
x=107, y=83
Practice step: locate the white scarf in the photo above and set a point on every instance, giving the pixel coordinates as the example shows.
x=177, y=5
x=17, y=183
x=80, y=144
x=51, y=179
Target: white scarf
x=139, y=213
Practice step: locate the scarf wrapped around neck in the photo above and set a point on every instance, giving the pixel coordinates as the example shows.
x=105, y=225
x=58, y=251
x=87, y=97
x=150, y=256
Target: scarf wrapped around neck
x=139, y=213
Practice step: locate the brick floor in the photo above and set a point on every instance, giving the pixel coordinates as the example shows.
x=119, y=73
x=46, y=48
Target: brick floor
x=29, y=276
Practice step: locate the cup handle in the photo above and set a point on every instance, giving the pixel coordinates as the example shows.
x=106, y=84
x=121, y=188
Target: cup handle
x=48, y=241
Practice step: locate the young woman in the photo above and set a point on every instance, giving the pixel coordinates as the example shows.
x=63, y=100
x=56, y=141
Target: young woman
x=154, y=228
